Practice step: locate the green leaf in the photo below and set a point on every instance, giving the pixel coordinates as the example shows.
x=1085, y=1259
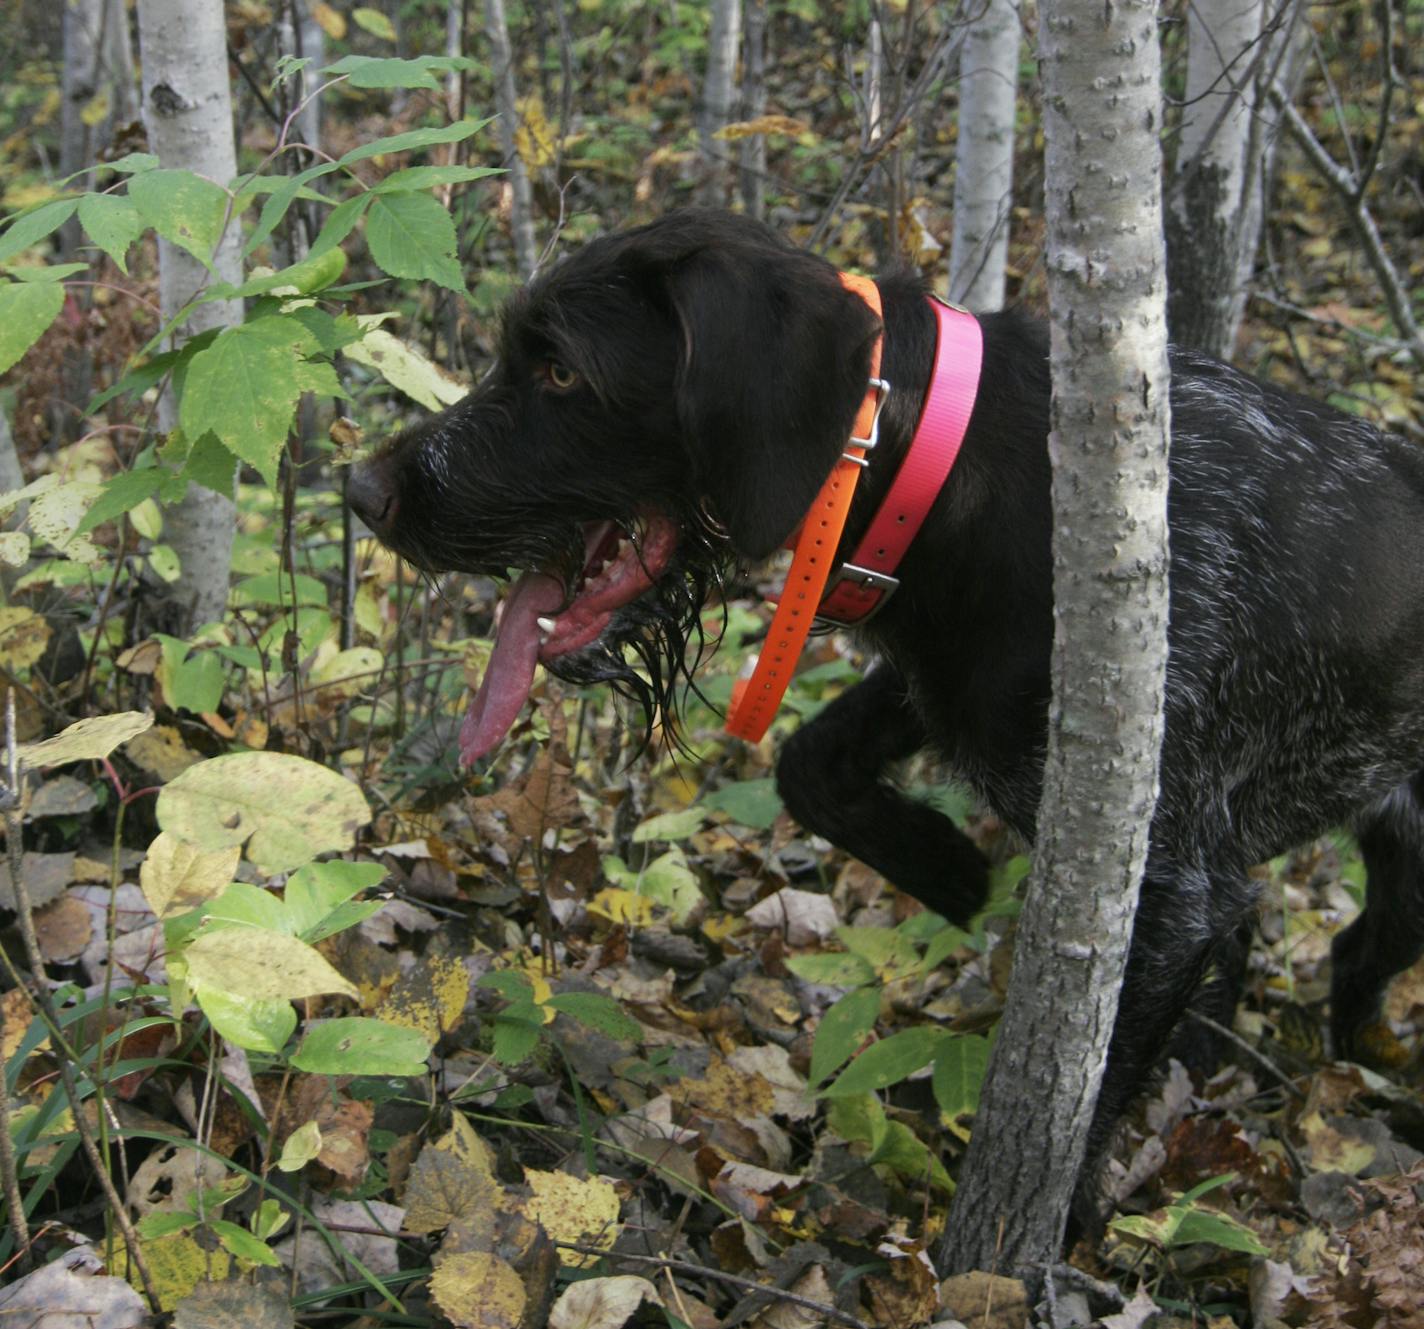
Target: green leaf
x=339, y=224
x=131, y=163
x=959, y=1073
x=318, y=898
x=280, y=200
x=889, y=1061
x=842, y=1030
x=943, y=944
x=858, y=1119
x=514, y=1039
x=1200, y=1225
x=302, y=1145
x=753, y=803
x=411, y=235
x=244, y=388
x=122, y=494
x=909, y=1157
x=676, y=825
x=183, y=208
x=285, y=808
x=26, y=311
x=366, y=71
x=374, y=22
x=598, y=1012
x=413, y=138
x=242, y=1243
x=836, y=969
x=354, y=1045
x=427, y=177
x=192, y=682
x=889, y=950
x=255, y=1023
x=277, y=589
x=210, y=464
x=30, y=227
x=242, y=904
x=112, y=223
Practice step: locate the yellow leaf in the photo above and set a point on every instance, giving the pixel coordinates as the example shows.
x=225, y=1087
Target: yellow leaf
x=429, y=998
x=262, y=965
x=86, y=740
x=477, y=1290
x=162, y=752
x=24, y=635
x=96, y=110
x=620, y=906
x=573, y=1210
x=534, y=137
x=177, y=1264
x=177, y=876
x=331, y=21
x=764, y=124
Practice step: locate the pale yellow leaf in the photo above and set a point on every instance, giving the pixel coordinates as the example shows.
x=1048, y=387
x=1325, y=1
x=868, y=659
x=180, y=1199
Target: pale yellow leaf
x=260, y=964
x=177, y=876
x=86, y=740
x=602, y=1303
x=24, y=635
x=406, y=370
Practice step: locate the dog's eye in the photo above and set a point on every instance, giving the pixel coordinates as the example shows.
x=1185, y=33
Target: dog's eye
x=559, y=375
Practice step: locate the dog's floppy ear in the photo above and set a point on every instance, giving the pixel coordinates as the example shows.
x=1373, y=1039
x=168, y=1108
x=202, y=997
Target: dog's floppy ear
x=775, y=357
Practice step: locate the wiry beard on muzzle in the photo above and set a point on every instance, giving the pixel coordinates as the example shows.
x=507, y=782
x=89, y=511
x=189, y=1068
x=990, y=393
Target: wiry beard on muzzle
x=665, y=632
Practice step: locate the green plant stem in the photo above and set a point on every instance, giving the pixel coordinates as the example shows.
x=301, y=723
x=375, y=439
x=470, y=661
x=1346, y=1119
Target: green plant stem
x=66, y=1060
x=10, y=1177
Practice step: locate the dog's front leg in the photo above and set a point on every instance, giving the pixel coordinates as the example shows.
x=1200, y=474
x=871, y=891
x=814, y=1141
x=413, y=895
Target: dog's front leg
x=831, y=778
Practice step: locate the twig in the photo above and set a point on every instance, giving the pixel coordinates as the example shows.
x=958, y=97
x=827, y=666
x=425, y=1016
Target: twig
x=732, y=1280
x=1263, y=1061
x=1347, y=186
x=66, y=1057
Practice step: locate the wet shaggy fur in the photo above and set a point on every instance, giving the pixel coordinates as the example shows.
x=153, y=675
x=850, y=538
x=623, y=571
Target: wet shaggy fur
x=718, y=374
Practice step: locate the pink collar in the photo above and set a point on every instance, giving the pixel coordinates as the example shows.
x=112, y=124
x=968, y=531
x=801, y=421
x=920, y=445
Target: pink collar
x=861, y=585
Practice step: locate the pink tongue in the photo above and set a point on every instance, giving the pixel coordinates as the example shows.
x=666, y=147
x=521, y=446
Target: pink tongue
x=505, y=686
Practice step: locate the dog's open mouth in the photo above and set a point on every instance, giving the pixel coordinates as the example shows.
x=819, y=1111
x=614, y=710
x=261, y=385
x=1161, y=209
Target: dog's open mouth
x=540, y=620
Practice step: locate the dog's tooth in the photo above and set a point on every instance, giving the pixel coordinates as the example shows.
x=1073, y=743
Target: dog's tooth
x=546, y=625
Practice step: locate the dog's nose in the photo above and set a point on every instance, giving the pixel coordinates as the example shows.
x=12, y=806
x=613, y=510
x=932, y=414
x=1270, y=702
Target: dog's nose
x=371, y=492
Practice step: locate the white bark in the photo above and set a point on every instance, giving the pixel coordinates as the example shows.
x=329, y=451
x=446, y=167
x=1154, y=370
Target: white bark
x=188, y=112
x=79, y=82
x=753, y=153
x=1236, y=49
x=719, y=99
x=506, y=100
x=1108, y=447
x=119, y=64
x=984, y=172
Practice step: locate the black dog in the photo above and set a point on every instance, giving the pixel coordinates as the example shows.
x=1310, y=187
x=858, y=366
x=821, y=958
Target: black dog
x=668, y=402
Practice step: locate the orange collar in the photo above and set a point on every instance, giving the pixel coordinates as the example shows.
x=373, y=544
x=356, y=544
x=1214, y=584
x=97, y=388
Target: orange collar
x=755, y=699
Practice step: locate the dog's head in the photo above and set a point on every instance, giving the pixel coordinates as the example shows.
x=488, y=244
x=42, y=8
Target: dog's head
x=666, y=401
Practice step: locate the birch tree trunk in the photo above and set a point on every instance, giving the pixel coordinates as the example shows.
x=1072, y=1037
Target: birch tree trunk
x=80, y=79
x=188, y=113
x=984, y=170
x=1235, y=50
x=752, y=159
x=719, y=97
x=521, y=210
x=1102, y=96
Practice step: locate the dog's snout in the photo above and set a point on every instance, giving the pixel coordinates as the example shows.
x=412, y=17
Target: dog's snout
x=371, y=492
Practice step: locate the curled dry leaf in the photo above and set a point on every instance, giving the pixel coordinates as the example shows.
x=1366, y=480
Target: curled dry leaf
x=602, y=1303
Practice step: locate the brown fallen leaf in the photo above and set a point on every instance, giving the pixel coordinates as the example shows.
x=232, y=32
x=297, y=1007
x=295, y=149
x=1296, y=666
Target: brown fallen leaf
x=63, y=928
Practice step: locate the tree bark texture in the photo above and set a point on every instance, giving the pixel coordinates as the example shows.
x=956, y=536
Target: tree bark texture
x=984, y=170
x=752, y=158
x=719, y=98
x=1108, y=445
x=521, y=211
x=1235, y=48
x=187, y=108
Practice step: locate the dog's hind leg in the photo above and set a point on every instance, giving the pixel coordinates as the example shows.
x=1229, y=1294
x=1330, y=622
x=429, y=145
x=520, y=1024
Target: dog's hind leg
x=1388, y=936
x=831, y=778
